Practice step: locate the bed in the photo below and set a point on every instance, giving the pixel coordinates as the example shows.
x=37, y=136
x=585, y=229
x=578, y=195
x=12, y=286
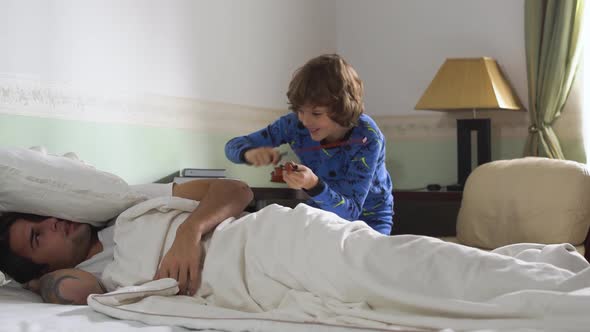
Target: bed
x=24, y=311
x=253, y=285
x=394, y=297
x=453, y=288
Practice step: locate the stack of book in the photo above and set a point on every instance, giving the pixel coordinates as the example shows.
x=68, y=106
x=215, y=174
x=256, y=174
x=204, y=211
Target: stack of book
x=188, y=174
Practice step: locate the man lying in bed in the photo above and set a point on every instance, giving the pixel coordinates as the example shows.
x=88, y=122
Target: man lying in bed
x=69, y=257
x=305, y=259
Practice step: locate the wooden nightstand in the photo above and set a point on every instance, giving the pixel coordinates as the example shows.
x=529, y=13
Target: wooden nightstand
x=283, y=196
x=432, y=213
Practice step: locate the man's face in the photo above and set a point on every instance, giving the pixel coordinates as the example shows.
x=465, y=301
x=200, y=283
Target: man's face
x=58, y=243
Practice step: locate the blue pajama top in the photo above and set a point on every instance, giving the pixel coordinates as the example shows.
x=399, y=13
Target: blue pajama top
x=353, y=180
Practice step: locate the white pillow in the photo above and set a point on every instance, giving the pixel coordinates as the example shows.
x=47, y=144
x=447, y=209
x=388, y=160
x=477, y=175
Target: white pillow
x=3, y=280
x=59, y=186
x=529, y=199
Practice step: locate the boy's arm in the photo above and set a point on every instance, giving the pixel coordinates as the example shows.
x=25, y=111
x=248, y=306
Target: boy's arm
x=275, y=134
x=66, y=286
x=219, y=199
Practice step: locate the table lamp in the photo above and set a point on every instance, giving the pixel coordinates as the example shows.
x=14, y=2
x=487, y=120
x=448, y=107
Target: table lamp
x=470, y=84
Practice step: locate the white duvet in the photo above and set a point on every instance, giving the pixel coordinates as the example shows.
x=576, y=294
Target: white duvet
x=305, y=267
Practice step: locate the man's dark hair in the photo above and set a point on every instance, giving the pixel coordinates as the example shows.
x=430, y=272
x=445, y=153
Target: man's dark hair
x=17, y=267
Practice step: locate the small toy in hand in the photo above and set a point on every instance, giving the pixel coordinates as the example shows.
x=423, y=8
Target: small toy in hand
x=277, y=174
x=290, y=167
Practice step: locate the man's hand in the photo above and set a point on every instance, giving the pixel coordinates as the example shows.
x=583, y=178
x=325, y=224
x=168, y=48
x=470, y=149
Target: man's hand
x=300, y=178
x=184, y=261
x=262, y=156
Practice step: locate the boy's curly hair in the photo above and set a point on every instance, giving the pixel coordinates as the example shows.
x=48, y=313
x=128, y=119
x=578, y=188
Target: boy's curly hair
x=328, y=80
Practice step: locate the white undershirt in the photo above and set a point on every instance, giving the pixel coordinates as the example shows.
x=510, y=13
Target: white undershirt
x=97, y=263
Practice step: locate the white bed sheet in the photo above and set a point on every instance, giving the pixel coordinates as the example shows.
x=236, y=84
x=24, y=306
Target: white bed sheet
x=24, y=311
x=256, y=271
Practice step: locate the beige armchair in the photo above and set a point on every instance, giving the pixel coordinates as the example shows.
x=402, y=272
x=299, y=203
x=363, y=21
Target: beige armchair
x=525, y=200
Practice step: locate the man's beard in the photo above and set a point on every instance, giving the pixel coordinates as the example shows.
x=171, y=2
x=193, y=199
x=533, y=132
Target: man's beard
x=81, y=243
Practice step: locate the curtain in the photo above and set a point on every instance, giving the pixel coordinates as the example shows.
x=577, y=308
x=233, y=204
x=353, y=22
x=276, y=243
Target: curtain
x=553, y=48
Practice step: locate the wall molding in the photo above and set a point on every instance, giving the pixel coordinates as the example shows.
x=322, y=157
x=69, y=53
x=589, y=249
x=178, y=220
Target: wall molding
x=435, y=125
x=29, y=97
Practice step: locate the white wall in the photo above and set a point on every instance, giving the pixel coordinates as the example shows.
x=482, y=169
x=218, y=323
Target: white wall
x=240, y=52
x=397, y=46
x=244, y=52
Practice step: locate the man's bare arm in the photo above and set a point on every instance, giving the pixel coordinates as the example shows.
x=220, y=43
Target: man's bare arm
x=219, y=199
x=67, y=286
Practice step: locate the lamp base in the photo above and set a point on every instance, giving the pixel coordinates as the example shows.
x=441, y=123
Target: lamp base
x=484, y=145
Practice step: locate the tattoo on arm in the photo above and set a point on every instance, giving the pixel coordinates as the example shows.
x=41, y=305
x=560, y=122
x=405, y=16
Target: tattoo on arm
x=50, y=291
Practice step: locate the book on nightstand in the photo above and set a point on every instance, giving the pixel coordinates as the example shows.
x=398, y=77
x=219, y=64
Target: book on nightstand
x=183, y=179
x=203, y=172
x=188, y=174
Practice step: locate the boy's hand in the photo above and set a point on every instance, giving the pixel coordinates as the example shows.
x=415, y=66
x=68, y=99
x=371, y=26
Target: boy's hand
x=262, y=156
x=184, y=261
x=300, y=177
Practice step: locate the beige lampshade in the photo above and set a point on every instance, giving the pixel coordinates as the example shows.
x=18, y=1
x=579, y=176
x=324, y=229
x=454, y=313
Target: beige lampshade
x=469, y=84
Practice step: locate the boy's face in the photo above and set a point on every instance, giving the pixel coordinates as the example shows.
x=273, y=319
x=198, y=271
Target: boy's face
x=317, y=120
x=55, y=242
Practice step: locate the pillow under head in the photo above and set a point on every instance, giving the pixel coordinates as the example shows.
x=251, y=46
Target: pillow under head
x=530, y=199
x=3, y=280
x=59, y=186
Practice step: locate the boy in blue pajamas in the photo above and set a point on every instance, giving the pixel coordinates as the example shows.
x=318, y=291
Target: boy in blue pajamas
x=342, y=151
